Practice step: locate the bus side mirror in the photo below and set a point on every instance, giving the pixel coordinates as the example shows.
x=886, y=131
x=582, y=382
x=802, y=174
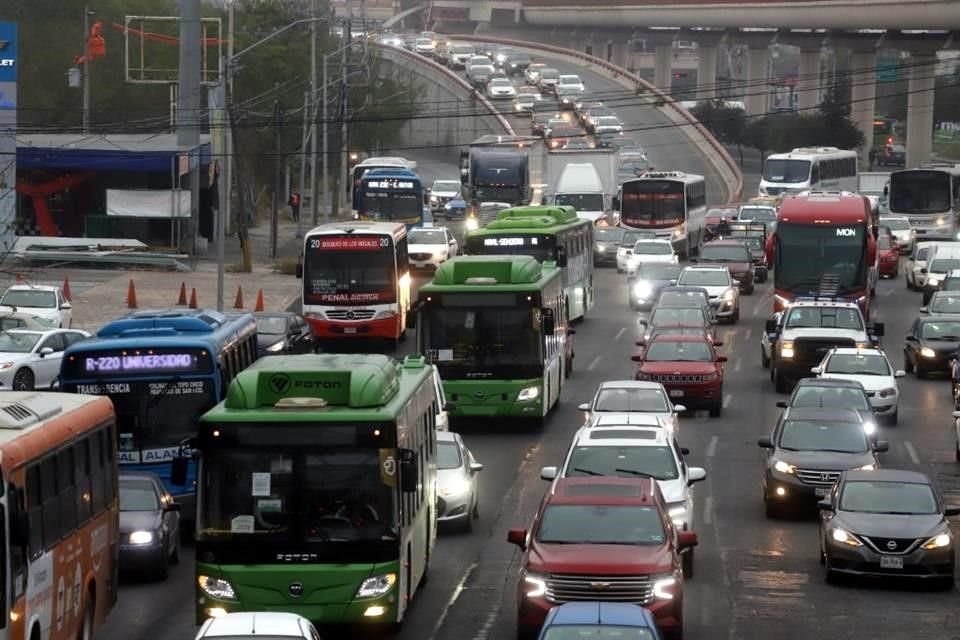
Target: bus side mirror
x=409, y=471
x=178, y=471
x=547, y=322
x=299, y=270
x=19, y=523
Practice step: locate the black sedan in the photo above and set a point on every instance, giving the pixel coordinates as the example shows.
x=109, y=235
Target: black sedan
x=606, y=242
x=649, y=279
x=931, y=344
x=149, y=525
x=893, y=155
x=886, y=523
x=283, y=332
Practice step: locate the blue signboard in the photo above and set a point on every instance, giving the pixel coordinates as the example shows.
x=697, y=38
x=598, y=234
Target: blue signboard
x=8, y=52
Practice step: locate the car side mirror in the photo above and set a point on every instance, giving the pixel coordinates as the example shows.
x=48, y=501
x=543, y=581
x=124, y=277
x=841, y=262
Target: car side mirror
x=637, y=357
x=679, y=408
x=721, y=358
x=765, y=443
x=46, y=351
x=956, y=414
x=693, y=260
x=548, y=473
x=770, y=326
x=782, y=404
x=641, y=342
x=718, y=343
x=173, y=506
x=816, y=370
x=825, y=505
x=686, y=539
x=951, y=511
x=518, y=537
x=66, y=305
x=924, y=310
x=299, y=270
x=899, y=373
x=923, y=270
x=696, y=474
x=583, y=406
x=476, y=467
x=881, y=446
x=684, y=451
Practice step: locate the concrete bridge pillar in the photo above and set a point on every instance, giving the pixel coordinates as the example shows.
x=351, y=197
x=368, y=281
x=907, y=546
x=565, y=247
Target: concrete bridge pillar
x=620, y=54
x=920, y=108
x=663, y=67
x=706, y=73
x=863, y=95
x=757, y=90
x=808, y=81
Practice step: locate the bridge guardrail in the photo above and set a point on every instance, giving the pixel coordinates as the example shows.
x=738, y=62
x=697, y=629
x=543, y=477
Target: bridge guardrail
x=736, y=188
x=455, y=79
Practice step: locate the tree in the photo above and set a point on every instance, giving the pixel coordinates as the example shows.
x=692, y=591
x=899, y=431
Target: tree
x=727, y=124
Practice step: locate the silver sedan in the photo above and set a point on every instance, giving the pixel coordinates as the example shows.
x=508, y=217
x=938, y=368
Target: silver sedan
x=457, y=482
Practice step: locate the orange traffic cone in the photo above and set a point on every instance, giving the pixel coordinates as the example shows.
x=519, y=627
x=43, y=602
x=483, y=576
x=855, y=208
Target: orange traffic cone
x=193, y=298
x=182, y=300
x=66, y=289
x=131, y=296
x=238, y=303
x=259, y=306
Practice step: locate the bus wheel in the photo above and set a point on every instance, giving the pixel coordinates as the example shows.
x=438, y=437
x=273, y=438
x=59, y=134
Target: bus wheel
x=86, y=631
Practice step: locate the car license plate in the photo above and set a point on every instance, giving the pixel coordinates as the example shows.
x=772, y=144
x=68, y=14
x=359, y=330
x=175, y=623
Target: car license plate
x=676, y=393
x=891, y=562
x=821, y=493
x=349, y=329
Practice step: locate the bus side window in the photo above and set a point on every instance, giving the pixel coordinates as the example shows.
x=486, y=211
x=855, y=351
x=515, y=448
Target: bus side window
x=18, y=552
x=82, y=479
x=815, y=174
x=67, y=490
x=107, y=438
x=51, y=503
x=35, y=509
x=403, y=261
x=97, y=471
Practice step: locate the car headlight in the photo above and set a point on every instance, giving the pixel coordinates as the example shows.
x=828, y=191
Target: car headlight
x=376, y=586
x=600, y=248
x=786, y=349
x=940, y=221
x=678, y=233
x=938, y=541
x=141, y=537
x=933, y=281
x=434, y=199
x=729, y=295
x=528, y=393
x=315, y=315
x=783, y=467
x=276, y=347
x=841, y=536
x=889, y=391
x=440, y=255
x=456, y=487
x=868, y=467
x=662, y=588
x=927, y=352
x=534, y=586
x=216, y=587
x=869, y=428
x=642, y=290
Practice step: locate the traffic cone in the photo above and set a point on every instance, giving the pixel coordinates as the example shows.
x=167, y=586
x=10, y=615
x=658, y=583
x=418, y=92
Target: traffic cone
x=182, y=300
x=131, y=296
x=66, y=289
x=259, y=306
x=238, y=303
x=193, y=298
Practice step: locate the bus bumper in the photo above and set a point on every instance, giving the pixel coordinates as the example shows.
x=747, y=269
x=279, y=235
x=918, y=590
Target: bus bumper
x=388, y=328
x=495, y=398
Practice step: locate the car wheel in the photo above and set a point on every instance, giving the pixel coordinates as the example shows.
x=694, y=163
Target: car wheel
x=687, y=562
x=921, y=371
x=749, y=290
x=907, y=363
x=957, y=452
x=736, y=315
x=822, y=554
x=23, y=380
x=946, y=583
x=764, y=360
x=771, y=509
x=830, y=576
x=906, y=279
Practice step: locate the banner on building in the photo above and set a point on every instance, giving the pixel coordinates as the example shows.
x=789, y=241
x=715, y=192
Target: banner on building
x=9, y=63
x=148, y=203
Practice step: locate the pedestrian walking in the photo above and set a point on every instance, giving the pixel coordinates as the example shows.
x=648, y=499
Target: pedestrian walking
x=294, y=203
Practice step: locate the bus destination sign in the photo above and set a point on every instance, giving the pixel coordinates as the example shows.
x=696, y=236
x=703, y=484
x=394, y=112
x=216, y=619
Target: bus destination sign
x=511, y=241
x=140, y=363
x=349, y=243
x=390, y=184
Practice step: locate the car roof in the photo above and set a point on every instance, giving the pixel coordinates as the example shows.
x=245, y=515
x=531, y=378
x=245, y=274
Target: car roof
x=828, y=382
x=624, y=419
x=825, y=414
x=138, y=475
x=32, y=287
x=822, y=303
x=705, y=267
x=941, y=317
x=44, y=332
x=623, y=435
x=629, y=384
x=605, y=490
x=446, y=436
x=613, y=613
x=724, y=242
x=889, y=475
x=852, y=351
x=681, y=336
x=245, y=623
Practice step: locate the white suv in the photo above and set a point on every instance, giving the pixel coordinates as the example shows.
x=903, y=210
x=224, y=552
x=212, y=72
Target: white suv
x=871, y=368
x=723, y=290
x=643, y=397
x=615, y=447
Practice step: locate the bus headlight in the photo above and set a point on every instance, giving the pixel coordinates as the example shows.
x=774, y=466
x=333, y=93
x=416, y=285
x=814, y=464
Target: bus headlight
x=315, y=315
x=786, y=349
x=528, y=393
x=472, y=224
x=216, y=588
x=376, y=586
x=940, y=221
x=385, y=315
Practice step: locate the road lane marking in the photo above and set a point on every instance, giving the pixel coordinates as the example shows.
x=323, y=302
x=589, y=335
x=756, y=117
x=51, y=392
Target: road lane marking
x=746, y=336
x=726, y=400
x=453, y=599
x=708, y=510
x=737, y=363
x=760, y=303
x=913, y=452
x=593, y=363
x=712, y=447
x=619, y=333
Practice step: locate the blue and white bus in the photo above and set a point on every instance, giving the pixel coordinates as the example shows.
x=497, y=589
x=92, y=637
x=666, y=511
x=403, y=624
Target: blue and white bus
x=162, y=369
x=392, y=195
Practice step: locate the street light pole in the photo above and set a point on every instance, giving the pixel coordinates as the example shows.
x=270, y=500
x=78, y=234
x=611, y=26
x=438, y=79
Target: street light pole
x=85, y=70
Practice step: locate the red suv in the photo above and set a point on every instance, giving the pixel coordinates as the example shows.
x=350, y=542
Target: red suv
x=888, y=253
x=602, y=539
x=688, y=365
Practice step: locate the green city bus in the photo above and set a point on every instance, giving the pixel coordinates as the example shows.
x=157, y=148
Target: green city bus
x=317, y=489
x=496, y=327
x=546, y=233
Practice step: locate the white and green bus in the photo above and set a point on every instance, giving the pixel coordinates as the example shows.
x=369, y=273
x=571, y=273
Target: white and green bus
x=316, y=489
x=546, y=233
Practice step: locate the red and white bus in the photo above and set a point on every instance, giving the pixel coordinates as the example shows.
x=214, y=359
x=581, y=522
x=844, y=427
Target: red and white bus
x=58, y=465
x=356, y=280
x=824, y=245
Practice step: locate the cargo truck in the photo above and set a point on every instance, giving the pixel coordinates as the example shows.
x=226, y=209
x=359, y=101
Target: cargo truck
x=585, y=179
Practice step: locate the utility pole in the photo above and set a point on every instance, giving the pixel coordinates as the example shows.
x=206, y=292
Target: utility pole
x=227, y=204
x=85, y=70
x=313, y=121
x=345, y=112
x=275, y=207
x=188, y=106
x=326, y=151
x=307, y=124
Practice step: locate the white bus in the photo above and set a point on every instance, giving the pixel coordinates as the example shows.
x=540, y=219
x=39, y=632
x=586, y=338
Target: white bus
x=356, y=280
x=672, y=204
x=809, y=169
x=930, y=197
x=385, y=162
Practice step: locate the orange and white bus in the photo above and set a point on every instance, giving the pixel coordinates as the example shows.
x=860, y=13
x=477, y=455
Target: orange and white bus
x=60, y=515
x=356, y=280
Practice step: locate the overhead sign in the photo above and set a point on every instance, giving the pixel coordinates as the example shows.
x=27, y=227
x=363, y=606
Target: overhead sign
x=8, y=52
x=390, y=184
x=349, y=243
x=8, y=129
x=137, y=363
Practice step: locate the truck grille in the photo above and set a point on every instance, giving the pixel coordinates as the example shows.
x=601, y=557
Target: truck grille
x=563, y=588
x=775, y=191
x=421, y=256
x=813, y=349
x=358, y=314
x=818, y=477
x=677, y=378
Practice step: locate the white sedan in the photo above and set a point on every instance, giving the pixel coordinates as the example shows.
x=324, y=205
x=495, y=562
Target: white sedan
x=871, y=368
x=43, y=301
x=457, y=479
x=428, y=248
x=31, y=359
x=501, y=88
x=645, y=251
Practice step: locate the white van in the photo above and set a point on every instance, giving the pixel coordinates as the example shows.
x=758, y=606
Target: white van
x=916, y=274
x=580, y=186
x=944, y=257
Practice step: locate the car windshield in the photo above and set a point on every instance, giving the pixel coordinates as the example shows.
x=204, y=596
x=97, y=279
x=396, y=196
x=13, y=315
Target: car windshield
x=526, y=97
x=607, y=121
x=763, y=214
x=682, y=298
x=29, y=298
x=500, y=82
x=596, y=632
x=722, y=213
x=824, y=317
x=549, y=74
x=789, y=171
x=272, y=324
x=426, y=236
x=907, y=498
x=18, y=342
x=944, y=304
x=138, y=494
x=863, y=364
x=886, y=242
x=653, y=248
x=896, y=224
x=608, y=234
x=598, y=112
x=627, y=400
x=922, y=253
x=704, y=278
x=830, y=397
x=445, y=186
x=600, y=524
x=937, y=265
x=448, y=455
x=666, y=316
x=626, y=462
x=687, y=351
x=658, y=271
x=724, y=253
x=949, y=331
x=811, y=435
x=630, y=237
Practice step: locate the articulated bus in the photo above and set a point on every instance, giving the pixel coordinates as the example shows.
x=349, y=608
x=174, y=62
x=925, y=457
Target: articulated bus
x=809, y=169
x=318, y=489
x=356, y=280
x=930, y=197
x=59, y=515
x=672, y=204
x=547, y=233
x=391, y=195
x=824, y=245
x=497, y=329
x=162, y=369
x=358, y=170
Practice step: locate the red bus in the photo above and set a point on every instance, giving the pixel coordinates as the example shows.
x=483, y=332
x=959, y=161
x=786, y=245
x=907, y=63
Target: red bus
x=58, y=465
x=824, y=245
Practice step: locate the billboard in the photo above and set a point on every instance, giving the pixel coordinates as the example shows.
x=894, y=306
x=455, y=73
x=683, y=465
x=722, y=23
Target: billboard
x=8, y=131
